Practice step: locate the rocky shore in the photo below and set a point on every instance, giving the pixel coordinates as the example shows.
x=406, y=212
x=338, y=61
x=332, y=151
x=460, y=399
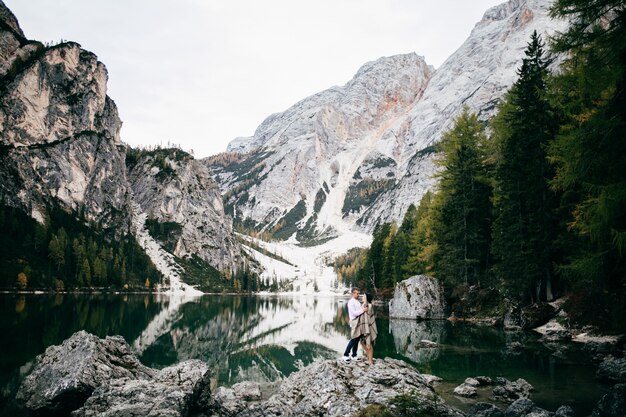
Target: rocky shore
x=88, y=376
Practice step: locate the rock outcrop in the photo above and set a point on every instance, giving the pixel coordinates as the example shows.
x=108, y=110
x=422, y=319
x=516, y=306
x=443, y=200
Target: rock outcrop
x=177, y=192
x=171, y=392
x=66, y=375
x=88, y=376
x=330, y=388
x=419, y=297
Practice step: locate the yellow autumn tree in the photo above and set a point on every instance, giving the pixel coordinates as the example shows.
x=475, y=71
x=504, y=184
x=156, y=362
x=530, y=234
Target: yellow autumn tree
x=22, y=281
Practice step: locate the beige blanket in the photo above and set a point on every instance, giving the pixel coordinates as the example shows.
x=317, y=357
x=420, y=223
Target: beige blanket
x=365, y=326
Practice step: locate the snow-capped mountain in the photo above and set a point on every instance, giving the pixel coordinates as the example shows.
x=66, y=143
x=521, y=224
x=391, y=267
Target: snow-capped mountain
x=353, y=156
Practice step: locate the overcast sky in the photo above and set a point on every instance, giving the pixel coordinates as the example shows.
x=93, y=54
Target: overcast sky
x=201, y=72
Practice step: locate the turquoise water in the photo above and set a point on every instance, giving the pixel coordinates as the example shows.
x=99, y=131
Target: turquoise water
x=267, y=338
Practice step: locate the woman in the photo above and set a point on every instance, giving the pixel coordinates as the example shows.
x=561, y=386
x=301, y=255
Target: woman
x=365, y=328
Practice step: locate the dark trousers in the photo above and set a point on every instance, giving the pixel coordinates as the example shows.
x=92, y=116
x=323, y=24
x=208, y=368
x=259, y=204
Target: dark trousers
x=352, y=344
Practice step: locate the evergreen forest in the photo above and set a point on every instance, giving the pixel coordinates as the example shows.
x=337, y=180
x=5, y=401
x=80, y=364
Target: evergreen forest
x=531, y=205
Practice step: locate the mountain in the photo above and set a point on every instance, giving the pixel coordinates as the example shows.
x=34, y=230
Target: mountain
x=183, y=206
x=354, y=156
x=61, y=152
x=295, y=173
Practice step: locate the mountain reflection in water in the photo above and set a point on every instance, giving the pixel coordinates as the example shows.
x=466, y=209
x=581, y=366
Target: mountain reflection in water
x=266, y=338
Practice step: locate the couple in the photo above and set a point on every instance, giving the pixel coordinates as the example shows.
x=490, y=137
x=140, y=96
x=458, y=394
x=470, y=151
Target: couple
x=363, y=325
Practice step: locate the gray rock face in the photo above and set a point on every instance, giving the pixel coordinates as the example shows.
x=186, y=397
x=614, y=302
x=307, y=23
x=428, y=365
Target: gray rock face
x=172, y=187
x=612, y=369
x=66, y=375
x=59, y=131
x=419, y=297
x=612, y=404
x=331, y=388
x=234, y=400
x=169, y=393
x=323, y=148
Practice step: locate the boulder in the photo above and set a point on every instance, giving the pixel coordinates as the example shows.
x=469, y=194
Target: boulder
x=508, y=391
x=483, y=380
x=484, y=410
x=65, y=376
x=466, y=390
x=612, y=369
x=419, y=297
x=169, y=393
x=519, y=408
x=612, y=404
x=331, y=388
x=528, y=317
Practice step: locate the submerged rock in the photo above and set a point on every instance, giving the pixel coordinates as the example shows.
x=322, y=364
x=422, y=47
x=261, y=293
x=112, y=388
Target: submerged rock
x=66, y=375
x=331, y=388
x=612, y=369
x=169, y=393
x=484, y=410
x=419, y=297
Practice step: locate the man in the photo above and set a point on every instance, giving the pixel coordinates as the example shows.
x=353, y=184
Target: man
x=354, y=311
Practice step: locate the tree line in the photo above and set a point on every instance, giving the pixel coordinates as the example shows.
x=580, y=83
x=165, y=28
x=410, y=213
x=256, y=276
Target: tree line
x=532, y=204
x=64, y=253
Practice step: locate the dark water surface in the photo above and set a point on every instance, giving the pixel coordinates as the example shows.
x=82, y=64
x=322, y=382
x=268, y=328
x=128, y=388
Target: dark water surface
x=266, y=338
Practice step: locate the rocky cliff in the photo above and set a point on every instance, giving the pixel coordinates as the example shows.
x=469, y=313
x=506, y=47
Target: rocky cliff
x=60, y=147
x=184, y=206
x=59, y=131
x=354, y=156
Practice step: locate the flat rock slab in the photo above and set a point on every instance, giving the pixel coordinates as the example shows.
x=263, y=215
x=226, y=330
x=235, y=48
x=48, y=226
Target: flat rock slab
x=65, y=375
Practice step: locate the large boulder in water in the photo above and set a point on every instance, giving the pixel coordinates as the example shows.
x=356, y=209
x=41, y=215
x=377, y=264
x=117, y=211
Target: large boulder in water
x=172, y=392
x=65, y=376
x=613, y=404
x=419, y=297
x=612, y=369
x=332, y=388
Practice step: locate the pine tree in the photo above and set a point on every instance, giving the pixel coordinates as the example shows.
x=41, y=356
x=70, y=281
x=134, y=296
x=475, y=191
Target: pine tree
x=524, y=227
x=590, y=150
x=461, y=225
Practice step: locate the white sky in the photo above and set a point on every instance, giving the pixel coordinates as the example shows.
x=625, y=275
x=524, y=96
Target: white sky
x=201, y=72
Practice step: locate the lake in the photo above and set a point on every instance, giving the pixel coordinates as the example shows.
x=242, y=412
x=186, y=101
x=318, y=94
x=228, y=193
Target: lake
x=264, y=338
